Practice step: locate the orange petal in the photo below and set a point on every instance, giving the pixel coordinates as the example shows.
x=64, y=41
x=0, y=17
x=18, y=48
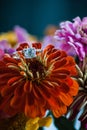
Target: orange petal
x=62, y=71
x=30, y=108
x=28, y=86
x=60, y=111
x=74, y=88
x=59, y=76
x=30, y=111
x=66, y=98
x=48, y=96
x=71, y=61
x=34, y=110
x=69, y=81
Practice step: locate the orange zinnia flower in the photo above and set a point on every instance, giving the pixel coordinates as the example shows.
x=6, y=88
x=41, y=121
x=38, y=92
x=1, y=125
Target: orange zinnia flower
x=33, y=81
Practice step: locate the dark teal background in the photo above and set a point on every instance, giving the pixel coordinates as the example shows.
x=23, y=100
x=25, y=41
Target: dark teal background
x=35, y=15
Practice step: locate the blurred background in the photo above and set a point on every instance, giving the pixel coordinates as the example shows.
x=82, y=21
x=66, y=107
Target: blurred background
x=36, y=15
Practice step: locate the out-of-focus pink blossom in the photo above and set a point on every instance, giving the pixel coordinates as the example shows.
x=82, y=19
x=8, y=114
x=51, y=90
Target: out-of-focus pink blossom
x=22, y=34
x=5, y=48
x=73, y=36
x=1, y=53
x=51, y=40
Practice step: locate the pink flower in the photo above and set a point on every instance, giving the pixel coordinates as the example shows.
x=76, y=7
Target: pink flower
x=73, y=36
x=1, y=53
x=5, y=48
x=22, y=34
x=51, y=40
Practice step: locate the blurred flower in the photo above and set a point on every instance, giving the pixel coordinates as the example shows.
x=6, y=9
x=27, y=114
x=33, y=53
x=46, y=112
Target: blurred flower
x=34, y=80
x=21, y=122
x=80, y=101
x=50, y=39
x=9, y=37
x=50, y=30
x=17, y=122
x=21, y=33
x=3, y=115
x=34, y=124
x=23, y=36
x=1, y=53
x=5, y=48
x=17, y=35
x=9, y=40
x=73, y=37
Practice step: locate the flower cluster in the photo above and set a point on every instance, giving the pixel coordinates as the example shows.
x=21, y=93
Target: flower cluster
x=39, y=77
x=72, y=37
x=9, y=40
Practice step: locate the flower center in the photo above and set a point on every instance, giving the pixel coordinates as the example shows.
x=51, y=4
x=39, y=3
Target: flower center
x=33, y=69
x=37, y=69
x=30, y=65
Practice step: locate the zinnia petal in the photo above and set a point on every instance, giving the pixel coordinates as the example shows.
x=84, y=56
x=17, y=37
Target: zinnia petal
x=39, y=83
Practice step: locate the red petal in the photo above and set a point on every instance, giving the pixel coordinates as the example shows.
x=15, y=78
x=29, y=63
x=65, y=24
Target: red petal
x=14, y=80
x=48, y=49
x=53, y=56
x=28, y=86
x=9, y=59
x=7, y=90
x=60, y=63
x=19, y=90
x=17, y=102
x=36, y=45
x=22, y=46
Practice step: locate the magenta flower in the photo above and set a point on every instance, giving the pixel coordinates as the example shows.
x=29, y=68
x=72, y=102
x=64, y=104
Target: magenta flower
x=73, y=36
